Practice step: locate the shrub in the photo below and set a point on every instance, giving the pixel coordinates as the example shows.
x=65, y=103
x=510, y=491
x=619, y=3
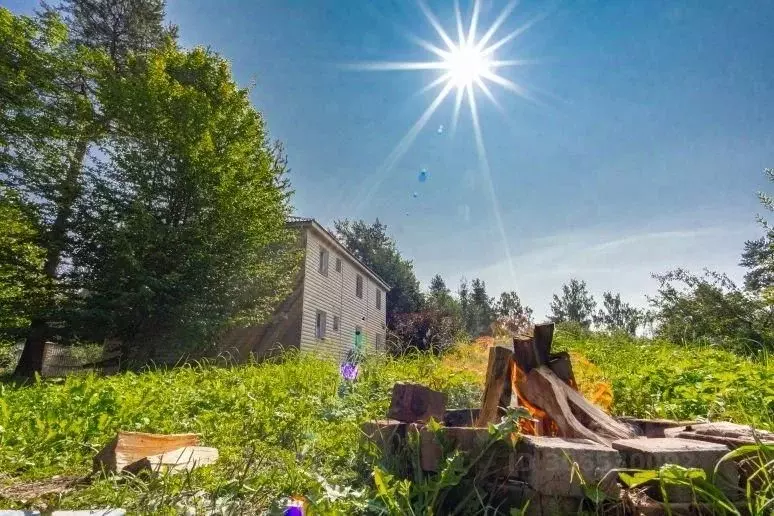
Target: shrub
x=429, y=330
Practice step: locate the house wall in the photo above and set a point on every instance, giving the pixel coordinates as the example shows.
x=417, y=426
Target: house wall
x=335, y=295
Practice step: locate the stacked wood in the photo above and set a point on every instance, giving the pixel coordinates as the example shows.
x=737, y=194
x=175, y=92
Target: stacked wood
x=548, y=382
x=497, y=389
x=137, y=451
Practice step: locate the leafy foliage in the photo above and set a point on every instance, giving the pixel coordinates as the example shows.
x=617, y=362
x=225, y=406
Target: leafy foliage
x=184, y=230
x=512, y=317
x=371, y=244
x=428, y=330
x=617, y=315
x=713, y=310
x=22, y=283
x=575, y=305
x=758, y=255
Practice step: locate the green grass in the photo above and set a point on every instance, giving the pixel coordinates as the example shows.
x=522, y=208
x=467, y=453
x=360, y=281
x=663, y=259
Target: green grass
x=657, y=379
x=283, y=429
x=280, y=428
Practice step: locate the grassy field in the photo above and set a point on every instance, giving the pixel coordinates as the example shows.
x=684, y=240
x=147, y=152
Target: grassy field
x=284, y=428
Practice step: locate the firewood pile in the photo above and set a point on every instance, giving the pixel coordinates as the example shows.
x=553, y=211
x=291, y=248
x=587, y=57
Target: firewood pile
x=565, y=439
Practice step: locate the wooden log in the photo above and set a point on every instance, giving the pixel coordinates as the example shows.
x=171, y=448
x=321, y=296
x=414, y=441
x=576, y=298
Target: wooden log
x=129, y=447
x=524, y=354
x=497, y=378
x=572, y=413
x=175, y=461
x=561, y=365
x=543, y=337
x=416, y=403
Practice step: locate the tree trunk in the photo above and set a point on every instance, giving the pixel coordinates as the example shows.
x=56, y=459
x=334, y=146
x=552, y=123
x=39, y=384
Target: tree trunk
x=31, y=360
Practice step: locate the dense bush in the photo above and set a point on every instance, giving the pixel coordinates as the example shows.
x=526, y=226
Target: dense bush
x=429, y=330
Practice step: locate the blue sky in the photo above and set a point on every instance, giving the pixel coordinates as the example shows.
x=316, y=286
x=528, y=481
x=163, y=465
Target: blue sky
x=642, y=151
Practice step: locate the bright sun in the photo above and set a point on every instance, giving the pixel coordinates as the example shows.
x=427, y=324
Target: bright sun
x=466, y=64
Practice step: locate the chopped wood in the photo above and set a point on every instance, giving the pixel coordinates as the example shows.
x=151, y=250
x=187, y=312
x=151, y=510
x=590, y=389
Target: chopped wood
x=561, y=365
x=543, y=337
x=497, y=377
x=412, y=403
x=572, y=413
x=175, y=461
x=524, y=354
x=129, y=447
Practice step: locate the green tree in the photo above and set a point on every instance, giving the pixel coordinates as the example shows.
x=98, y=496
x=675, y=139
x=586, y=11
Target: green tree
x=511, y=315
x=616, y=315
x=120, y=27
x=51, y=120
x=439, y=297
x=22, y=282
x=758, y=255
x=184, y=229
x=575, y=305
x=480, y=312
x=371, y=244
x=712, y=309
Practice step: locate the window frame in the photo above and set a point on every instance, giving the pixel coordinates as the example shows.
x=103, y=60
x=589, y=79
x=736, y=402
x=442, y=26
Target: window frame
x=338, y=264
x=336, y=325
x=323, y=259
x=378, y=299
x=359, y=286
x=320, y=324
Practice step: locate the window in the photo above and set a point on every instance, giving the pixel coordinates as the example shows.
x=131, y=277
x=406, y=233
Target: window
x=323, y=262
x=319, y=327
x=338, y=264
x=335, y=323
x=359, y=286
x=378, y=299
x=379, y=342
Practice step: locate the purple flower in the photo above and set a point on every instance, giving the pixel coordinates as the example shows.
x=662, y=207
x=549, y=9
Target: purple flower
x=294, y=511
x=349, y=371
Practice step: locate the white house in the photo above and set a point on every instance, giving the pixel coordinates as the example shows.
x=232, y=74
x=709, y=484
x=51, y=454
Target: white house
x=336, y=296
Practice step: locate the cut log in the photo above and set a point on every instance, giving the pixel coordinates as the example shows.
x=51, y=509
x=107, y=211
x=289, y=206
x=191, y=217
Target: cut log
x=497, y=377
x=524, y=354
x=561, y=365
x=175, y=461
x=543, y=337
x=413, y=403
x=129, y=447
x=572, y=413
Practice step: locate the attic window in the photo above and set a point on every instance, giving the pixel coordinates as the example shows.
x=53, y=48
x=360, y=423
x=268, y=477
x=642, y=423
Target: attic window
x=359, y=286
x=378, y=299
x=338, y=264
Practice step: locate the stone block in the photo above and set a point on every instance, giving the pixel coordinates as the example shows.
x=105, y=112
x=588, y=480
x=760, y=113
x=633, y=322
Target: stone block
x=414, y=403
x=461, y=417
x=653, y=427
x=387, y=434
x=656, y=452
x=546, y=464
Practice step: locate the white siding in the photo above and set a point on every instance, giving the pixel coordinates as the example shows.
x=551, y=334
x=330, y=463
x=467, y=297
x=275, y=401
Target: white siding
x=335, y=295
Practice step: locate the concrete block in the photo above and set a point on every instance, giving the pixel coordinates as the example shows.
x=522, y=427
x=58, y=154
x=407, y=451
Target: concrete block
x=653, y=427
x=656, y=452
x=546, y=464
x=414, y=403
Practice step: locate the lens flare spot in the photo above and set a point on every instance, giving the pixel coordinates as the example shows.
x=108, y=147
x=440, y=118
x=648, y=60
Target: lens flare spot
x=422, y=176
x=415, y=195
x=440, y=129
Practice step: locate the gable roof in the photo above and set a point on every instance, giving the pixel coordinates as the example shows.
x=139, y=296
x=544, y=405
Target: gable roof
x=304, y=222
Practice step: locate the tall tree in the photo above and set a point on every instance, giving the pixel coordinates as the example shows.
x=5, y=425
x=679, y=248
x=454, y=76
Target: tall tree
x=758, y=255
x=480, y=313
x=120, y=27
x=511, y=315
x=616, y=315
x=711, y=308
x=575, y=305
x=185, y=230
x=22, y=282
x=371, y=244
x=55, y=120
